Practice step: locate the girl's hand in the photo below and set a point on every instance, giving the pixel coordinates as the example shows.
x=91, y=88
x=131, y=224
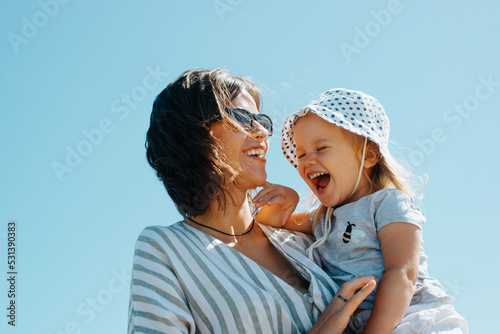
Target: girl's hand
x=285, y=199
x=335, y=317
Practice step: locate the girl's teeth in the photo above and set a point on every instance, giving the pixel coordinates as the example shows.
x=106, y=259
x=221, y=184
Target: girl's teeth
x=315, y=175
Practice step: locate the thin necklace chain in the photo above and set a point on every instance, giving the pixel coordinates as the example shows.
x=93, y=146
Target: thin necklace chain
x=231, y=235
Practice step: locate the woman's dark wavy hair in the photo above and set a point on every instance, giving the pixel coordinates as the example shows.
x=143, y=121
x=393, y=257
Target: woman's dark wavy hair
x=179, y=145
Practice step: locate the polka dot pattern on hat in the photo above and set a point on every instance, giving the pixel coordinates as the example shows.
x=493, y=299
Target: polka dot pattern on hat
x=351, y=110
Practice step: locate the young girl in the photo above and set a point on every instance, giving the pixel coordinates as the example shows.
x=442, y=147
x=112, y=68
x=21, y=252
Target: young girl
x=367, y=223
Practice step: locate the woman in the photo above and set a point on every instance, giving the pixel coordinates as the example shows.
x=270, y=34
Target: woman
x=218, y=271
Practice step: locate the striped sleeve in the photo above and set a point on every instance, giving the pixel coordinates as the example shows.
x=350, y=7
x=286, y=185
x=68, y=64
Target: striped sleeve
x=157, y=303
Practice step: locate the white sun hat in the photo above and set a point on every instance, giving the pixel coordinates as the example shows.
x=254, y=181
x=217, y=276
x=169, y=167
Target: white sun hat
x=351, y=110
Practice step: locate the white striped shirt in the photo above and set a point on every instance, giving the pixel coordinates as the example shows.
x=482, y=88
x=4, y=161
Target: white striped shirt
x=186, y=281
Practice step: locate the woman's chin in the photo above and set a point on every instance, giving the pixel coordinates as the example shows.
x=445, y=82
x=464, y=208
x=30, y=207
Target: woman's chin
x=258, y=177
x=251, y=182
x=259, y=183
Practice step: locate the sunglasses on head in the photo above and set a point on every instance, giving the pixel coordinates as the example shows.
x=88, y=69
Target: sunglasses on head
x=246, y=119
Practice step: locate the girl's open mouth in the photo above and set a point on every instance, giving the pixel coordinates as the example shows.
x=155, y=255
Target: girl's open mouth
x=320, y=181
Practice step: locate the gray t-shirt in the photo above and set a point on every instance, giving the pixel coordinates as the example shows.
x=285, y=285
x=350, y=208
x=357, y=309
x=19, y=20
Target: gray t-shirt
x=353, y=248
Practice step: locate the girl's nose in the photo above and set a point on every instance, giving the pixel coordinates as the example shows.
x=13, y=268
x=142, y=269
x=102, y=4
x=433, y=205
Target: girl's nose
x=309, y=160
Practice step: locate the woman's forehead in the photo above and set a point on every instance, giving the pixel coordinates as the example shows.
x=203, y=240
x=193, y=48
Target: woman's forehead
x=246, y=101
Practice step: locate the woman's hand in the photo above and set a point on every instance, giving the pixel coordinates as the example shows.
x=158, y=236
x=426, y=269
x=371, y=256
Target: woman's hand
x=281, y=202
x=335, y=317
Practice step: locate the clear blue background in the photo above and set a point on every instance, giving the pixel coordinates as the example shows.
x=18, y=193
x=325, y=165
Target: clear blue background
x=73, y=72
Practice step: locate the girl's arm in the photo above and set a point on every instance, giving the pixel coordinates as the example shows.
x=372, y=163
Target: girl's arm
x=277, y=204
x=400, y=243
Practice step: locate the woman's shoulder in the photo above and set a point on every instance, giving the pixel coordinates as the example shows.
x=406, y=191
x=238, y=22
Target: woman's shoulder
x=165, y=244
x=161, y=236
x=162, y=229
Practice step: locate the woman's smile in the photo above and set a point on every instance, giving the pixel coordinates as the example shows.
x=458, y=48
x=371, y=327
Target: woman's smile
x=256, y=152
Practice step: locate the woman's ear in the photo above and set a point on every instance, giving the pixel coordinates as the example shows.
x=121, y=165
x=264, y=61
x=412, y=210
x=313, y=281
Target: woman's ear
x=372, y=155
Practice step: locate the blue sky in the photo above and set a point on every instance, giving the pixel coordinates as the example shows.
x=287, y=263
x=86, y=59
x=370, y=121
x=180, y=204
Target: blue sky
x=78, y=80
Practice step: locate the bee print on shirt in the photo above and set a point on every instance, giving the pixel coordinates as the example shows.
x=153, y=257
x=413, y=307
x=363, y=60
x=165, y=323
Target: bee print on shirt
x=347, y=234
x=356, y=234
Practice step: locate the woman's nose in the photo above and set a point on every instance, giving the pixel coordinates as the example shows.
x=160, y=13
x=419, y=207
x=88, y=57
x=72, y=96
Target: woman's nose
x=259, y=131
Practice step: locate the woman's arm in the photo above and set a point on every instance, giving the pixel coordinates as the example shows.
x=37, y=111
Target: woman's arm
x=277, y=204
x=335, y=317
x=400, y=243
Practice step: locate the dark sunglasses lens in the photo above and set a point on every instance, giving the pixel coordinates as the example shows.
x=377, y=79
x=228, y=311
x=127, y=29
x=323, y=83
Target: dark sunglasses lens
x=243, y=117
x=266, y=122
